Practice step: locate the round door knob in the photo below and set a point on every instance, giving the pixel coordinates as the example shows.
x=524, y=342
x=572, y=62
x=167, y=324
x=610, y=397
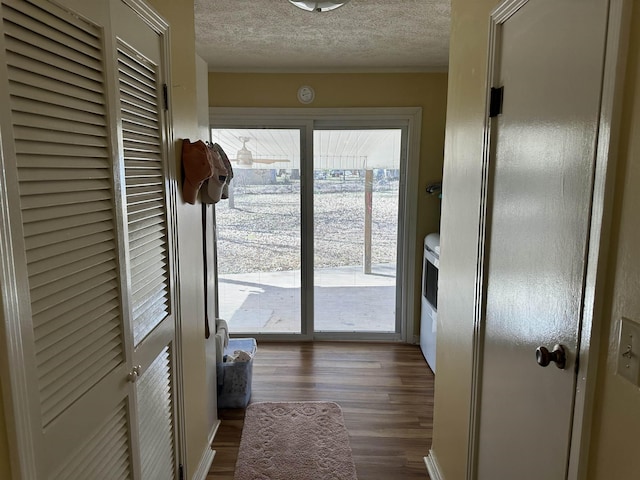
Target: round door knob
x=135, y=373
x=544, y=357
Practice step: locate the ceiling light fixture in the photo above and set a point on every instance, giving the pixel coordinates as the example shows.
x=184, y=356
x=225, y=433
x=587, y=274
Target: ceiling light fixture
x=317, y=6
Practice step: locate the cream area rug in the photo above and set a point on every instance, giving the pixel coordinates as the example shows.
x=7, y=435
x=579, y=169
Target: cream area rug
x=294, y=441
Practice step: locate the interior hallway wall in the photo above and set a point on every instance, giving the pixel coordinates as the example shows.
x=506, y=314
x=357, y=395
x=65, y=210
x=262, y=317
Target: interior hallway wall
x=345, y=90
x=616, y=433
x=5, y=465
x=459, y=231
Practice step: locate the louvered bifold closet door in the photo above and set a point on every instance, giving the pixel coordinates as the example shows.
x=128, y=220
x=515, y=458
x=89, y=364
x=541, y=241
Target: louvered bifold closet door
x=149, y=267
x=63, y=155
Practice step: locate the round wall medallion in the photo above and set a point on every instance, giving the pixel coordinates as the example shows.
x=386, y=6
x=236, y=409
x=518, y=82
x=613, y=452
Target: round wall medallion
x=306, y=94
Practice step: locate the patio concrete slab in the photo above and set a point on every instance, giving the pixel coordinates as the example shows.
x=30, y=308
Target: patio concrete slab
x=346, y=300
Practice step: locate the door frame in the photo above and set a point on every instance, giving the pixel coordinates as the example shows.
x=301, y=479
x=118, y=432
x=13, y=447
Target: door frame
x=595, y=272
x=305, y=119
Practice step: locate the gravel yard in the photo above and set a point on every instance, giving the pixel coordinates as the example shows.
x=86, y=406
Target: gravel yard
x=262, y=232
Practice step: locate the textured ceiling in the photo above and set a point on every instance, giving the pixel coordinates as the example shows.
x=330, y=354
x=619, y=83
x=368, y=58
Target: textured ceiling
x=363, y=35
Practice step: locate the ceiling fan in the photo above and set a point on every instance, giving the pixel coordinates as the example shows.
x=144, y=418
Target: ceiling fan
x=311, y=6
x=244, y=157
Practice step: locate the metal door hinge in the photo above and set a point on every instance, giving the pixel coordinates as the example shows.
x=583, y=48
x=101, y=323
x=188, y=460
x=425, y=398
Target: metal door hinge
x=495, y=101
x=165, y=95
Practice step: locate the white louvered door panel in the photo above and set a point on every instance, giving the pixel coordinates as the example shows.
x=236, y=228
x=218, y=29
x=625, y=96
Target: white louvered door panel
x=73, y=319
x=144, y=176
x=155, y=419
x=84, y=213
x=144, y=153
x=104, y=455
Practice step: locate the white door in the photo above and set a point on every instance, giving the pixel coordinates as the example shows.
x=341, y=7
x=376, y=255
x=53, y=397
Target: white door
x=549, y=58
x=86, y=241
x=143, y=163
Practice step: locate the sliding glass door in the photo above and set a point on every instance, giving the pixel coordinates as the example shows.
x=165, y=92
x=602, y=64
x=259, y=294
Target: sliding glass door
x=355, y=215
x=310, y=240
x=258, y=229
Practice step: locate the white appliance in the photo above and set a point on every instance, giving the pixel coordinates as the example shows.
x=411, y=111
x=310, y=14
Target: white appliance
x=429, y=298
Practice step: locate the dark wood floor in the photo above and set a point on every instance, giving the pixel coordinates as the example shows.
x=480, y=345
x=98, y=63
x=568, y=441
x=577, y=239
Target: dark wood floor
x=385, y=391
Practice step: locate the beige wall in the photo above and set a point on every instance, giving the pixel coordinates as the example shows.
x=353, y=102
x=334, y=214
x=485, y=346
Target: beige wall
x=185, y=122
x=459, y=234
x=615, y=445
x=5, y=467
x=614, y=452
x=426, y=90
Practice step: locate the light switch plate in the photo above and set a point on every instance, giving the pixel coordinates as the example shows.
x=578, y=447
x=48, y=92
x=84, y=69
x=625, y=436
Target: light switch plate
x=629, y=351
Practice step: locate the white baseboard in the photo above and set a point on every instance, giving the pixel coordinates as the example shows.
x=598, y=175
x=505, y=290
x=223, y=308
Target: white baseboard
x=433, y=468
x=212, y=433
x=205, y=464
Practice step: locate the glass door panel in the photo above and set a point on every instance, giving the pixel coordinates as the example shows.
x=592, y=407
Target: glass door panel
x=259, y=231
x=355, y=214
